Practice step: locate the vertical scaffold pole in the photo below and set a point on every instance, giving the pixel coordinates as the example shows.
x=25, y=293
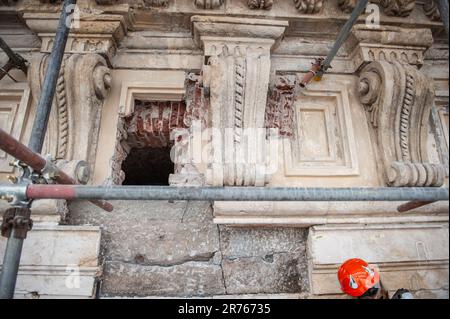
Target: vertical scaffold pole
x=14, y=245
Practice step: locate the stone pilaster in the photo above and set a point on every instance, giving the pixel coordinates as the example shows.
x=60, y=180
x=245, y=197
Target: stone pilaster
x=236, y=76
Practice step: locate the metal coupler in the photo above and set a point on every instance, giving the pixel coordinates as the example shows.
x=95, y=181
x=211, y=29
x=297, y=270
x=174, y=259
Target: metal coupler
x=17, y=219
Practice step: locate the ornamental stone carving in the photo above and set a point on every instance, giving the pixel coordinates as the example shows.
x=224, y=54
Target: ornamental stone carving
x=398, y=99
x=236, y=80
x=208, y=4
x=398, y=8
x=309, y=6
x=260, y=4
x=431, y=10
x=82, y=85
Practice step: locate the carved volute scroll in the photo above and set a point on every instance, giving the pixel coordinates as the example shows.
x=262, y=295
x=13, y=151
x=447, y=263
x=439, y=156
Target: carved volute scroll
x=398, y=99
x=83, y=84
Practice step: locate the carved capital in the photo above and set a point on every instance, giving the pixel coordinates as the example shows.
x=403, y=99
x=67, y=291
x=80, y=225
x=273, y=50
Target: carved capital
x=83, y=83
x=398, y=99
x=93, y=31
x=309, y=6
x=390, y=44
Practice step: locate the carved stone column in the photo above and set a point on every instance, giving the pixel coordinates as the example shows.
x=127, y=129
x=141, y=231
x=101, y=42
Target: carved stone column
x=236, y=74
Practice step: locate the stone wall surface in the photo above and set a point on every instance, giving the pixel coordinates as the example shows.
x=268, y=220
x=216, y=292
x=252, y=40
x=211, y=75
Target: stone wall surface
x=174, y=249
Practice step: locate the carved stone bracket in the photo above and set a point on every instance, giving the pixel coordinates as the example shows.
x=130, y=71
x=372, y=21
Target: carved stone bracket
x=236, y=76
x=83, y=84
x=398, y=98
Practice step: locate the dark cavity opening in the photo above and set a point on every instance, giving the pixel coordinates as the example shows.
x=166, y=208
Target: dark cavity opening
x=148, y=166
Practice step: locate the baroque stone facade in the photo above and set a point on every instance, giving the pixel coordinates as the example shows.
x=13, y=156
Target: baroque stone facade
x=213, y=85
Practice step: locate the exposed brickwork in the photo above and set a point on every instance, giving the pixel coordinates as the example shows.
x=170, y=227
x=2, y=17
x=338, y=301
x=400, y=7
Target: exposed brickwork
x=279, y=111
x=151, y=123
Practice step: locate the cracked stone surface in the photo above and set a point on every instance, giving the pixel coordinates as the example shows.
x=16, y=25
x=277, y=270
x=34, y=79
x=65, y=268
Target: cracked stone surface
x=152, y=248
x=267, y=260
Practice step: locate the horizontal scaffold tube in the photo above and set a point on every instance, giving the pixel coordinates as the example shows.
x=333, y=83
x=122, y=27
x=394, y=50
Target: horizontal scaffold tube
x=71, y=192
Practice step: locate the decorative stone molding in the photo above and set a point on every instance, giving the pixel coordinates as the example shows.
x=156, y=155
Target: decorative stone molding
x=260, y=4
x=324, y=141
x=96, y=31
x=398, y=8
x=309, y=6
x=280, y=106
x=390, y=44
x=431, y=10
x=83, y=84
x=208, y=4
x=347, y=5
x=236, y=76
x=398, y=98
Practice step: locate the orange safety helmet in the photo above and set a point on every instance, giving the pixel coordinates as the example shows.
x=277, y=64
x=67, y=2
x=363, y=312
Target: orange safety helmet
x=356, y=277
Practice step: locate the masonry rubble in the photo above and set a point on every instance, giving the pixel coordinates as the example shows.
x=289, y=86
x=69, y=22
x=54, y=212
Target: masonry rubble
x=147, y=74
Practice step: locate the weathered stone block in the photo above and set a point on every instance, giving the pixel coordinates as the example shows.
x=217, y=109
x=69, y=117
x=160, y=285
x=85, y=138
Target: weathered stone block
x=153, y=232
x=246, y=242
x=267, y=274
x=188, y=279
x=264, y=260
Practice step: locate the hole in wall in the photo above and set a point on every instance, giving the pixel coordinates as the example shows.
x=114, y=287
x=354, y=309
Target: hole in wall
x=146, y=143
x=148, y=166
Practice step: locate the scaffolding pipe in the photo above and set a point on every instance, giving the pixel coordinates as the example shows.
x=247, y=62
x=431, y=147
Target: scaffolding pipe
x=13, y=251
x=73, y=192
x=443, y=11
x=51, y=77
x=15, y=60
x=19, y=151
